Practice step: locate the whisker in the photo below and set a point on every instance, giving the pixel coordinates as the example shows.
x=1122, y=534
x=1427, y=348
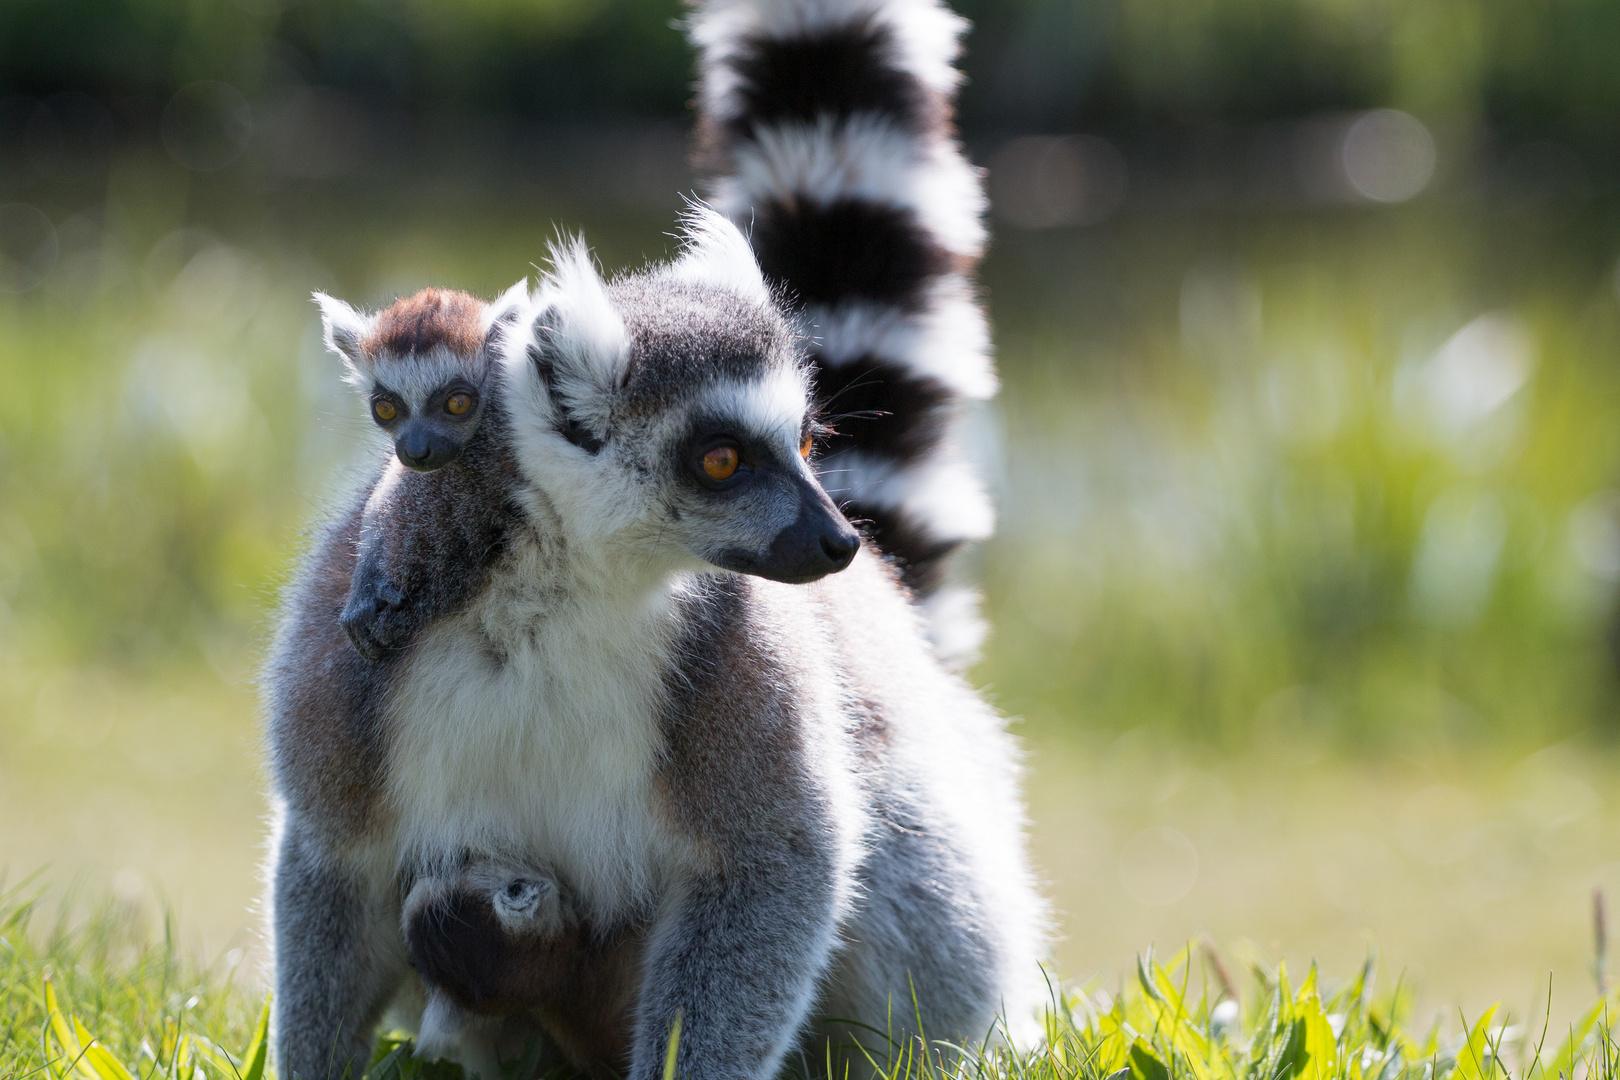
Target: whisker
x=871, y=378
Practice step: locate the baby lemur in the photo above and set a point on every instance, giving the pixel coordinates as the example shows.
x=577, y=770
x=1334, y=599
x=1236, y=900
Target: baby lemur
x=498, y=943
x=423, y=367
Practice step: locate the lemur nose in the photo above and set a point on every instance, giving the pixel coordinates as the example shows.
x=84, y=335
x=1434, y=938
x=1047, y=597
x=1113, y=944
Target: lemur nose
x=414, y=451
x=840, y=547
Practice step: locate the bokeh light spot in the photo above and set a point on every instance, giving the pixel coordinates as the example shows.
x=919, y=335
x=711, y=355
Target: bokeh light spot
x=1594, y=535
x=28, y=247
x=1388, y=155
x=207, y=125
x=1041, y=182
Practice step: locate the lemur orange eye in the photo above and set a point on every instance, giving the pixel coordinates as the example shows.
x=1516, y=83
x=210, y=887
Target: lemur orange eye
x=720, y=463
x=383, y=410
x=458, y=404
x=804, y=448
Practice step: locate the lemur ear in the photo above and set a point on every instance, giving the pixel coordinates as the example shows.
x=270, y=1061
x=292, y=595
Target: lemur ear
x=504, y=312
x=578, y=324
x=344, y=330
x=714, y=252
x=574, y=346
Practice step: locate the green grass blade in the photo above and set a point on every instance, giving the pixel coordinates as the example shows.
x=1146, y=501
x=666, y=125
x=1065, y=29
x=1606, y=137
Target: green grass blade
x=258, y=1050
x=104, y=1064
x=674, y=1045
x=1474, y=1059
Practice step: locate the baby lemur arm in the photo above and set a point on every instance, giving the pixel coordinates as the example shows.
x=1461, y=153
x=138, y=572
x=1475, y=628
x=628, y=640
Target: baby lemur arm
x=427, y=542
x=740, y=947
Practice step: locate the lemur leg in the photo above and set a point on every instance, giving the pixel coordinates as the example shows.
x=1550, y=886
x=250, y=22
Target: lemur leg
x=920, y=961
x=739, y=956
x=338, y=960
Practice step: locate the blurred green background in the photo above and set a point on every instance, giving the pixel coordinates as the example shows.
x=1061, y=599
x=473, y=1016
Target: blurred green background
x=1306, y=457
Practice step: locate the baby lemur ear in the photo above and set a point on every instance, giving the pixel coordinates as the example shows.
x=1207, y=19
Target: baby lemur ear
x=715, y=253
x=345, y=329
x=503, y=313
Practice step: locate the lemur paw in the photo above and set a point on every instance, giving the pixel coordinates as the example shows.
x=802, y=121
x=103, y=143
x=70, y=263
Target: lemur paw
x=372, y=618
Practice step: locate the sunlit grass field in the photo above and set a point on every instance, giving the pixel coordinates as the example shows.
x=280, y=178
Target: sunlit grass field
x=101, y=1001
x=1302, y=591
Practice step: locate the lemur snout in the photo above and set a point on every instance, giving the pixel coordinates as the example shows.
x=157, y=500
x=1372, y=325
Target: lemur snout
x=808, y=551
x=818, y=543
x=424, y=450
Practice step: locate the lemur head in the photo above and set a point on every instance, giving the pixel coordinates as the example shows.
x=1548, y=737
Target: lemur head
x=421, y=364
x=671, y=410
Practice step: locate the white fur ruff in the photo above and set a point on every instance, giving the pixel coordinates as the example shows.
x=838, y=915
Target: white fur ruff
x=548, y=757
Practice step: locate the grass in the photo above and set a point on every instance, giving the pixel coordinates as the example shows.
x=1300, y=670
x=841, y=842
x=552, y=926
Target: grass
x=102, y=999
x=150, y=1010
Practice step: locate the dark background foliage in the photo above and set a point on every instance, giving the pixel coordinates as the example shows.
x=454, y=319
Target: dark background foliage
x=1516, y=68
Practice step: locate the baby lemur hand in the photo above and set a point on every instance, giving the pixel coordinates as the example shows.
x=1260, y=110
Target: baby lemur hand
x=373, y=618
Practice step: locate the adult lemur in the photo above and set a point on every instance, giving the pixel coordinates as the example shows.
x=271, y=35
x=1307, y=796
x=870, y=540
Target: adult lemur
x=640, y=677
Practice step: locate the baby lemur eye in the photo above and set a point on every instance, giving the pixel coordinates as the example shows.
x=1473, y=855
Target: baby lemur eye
x=458, y=404
x=804, y=447
x=721, y=462
x=384, y=410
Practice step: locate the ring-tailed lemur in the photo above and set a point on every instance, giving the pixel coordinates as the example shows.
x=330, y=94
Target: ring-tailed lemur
x=422, y=365
x=771, y=795
x=509, y=951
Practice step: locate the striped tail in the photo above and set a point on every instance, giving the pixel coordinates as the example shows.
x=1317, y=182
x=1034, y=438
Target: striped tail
x=828, y=127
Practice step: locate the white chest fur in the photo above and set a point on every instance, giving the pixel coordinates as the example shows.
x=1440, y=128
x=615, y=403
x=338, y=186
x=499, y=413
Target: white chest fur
x=529, y=728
